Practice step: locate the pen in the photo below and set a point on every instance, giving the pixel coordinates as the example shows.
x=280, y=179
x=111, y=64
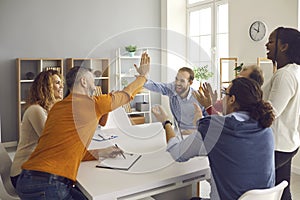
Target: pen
x=121, y=153
x=101, y=136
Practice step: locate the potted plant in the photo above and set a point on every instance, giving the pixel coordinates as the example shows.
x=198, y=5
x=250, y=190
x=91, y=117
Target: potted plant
x=131, y=49
x=239, y=68
x=201, y=74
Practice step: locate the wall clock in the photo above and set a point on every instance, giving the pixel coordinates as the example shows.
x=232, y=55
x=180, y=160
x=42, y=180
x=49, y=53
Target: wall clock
x=257, y=30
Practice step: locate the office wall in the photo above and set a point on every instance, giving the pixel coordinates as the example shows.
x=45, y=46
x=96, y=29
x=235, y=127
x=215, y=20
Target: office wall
x=68, y=28
x=274, y=13
x=242, y=13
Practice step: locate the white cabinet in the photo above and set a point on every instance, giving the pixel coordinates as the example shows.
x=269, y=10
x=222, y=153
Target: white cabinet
x=139, y=109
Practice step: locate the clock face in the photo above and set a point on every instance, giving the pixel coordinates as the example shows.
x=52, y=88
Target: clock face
x=257, y=30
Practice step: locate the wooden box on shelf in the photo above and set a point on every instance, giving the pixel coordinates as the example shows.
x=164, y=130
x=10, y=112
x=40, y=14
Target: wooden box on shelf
x=99, y=66
x=27, y=70
x=136, y=119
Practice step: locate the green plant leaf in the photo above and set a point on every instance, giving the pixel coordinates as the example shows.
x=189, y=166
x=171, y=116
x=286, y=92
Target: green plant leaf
x=202, y=73
x=239, y=68
x=130, y=48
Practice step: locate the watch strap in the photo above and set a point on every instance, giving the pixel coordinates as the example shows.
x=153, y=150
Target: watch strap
x=165, y=123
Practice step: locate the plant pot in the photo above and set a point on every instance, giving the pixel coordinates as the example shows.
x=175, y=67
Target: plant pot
x=131, y=54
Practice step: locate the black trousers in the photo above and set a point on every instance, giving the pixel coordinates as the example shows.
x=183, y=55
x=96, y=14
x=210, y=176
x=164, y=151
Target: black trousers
x=283, y=161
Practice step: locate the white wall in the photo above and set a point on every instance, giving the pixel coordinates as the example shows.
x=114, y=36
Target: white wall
x=68, y=28
x=242, y=13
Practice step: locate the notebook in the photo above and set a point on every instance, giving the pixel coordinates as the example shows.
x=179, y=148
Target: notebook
x=119, y=162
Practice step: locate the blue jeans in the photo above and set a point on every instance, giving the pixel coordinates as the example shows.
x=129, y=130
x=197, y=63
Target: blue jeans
x=34, y=185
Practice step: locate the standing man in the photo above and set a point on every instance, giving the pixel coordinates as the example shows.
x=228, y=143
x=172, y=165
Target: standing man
x=180, y=98
x=52, y=168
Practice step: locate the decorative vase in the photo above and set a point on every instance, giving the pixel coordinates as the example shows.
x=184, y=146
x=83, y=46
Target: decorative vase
x=97, y=73
x=30, y=75
x=131, y=54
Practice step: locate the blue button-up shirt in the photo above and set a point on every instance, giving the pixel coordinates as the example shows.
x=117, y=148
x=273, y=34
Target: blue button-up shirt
x=182, y=109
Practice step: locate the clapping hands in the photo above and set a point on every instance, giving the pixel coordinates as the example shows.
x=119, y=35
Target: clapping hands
x=159, y=113
x=203, y=95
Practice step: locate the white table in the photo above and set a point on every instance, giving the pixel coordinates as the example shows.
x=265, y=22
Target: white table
x=154, y=174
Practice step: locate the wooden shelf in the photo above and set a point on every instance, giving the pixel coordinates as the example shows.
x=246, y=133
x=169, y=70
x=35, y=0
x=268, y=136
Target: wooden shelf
x=35, y=66
x=96, y=64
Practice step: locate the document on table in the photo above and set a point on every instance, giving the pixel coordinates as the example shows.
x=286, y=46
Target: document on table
x=119, y=162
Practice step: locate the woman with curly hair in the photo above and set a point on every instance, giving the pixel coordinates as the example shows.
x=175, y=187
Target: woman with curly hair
x=283, y=92
x=45, y=91
x=239, y=145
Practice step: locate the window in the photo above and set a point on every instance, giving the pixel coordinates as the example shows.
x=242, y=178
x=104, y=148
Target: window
x=208, y=34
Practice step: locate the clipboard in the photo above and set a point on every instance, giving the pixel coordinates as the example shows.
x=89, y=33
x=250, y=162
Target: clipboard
x=119, y=162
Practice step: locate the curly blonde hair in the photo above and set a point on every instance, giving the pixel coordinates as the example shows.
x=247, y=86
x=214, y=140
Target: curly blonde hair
x=41, y=91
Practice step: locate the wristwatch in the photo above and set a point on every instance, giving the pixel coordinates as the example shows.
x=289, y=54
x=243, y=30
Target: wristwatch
x=166, y=122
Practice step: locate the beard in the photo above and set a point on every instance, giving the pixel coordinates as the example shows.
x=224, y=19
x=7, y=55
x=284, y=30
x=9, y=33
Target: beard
x=91, y=91
x=181, y=90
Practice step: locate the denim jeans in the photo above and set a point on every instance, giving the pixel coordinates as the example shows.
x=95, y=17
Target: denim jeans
x=33, y=187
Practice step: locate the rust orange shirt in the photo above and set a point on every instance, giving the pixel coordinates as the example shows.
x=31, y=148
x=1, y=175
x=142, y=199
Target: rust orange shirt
x=69, y=128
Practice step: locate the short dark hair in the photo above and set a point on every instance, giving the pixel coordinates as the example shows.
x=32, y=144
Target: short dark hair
x=188, y=70
x=248, y=96
x=74, y=74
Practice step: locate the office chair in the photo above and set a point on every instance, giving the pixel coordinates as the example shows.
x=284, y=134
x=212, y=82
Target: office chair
x=7, y=191
x=273, y=193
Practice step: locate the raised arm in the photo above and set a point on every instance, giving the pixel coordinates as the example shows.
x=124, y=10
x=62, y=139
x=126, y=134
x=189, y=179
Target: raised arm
x=120, y=98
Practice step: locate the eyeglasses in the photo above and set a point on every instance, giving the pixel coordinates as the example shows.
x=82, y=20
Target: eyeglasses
x=223, y=92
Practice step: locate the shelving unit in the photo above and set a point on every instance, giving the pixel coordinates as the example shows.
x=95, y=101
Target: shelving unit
x=227, y=72
x=27, y=70
x=100, y=67
x=125, y=74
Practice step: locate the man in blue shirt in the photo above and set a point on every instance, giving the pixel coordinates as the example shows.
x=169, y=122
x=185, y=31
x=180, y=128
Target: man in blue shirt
x=239, y=145
x=181, y=98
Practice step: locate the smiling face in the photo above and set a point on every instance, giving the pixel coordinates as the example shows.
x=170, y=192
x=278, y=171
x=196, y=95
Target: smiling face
x=182, y=83
x=57, y=87
x=271, y=46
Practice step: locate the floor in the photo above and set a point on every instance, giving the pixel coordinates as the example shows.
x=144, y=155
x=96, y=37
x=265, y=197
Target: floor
x=204, y=185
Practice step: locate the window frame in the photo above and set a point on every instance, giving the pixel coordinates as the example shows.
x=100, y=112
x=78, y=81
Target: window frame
x=213, y=4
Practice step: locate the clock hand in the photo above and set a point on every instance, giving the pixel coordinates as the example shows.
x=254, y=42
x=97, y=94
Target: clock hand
x=257, y=30
x=258, y=27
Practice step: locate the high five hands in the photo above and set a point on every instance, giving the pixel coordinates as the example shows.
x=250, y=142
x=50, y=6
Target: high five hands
x=144, y=67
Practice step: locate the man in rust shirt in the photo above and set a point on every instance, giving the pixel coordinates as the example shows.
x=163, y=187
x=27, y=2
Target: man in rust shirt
x=52, y=168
